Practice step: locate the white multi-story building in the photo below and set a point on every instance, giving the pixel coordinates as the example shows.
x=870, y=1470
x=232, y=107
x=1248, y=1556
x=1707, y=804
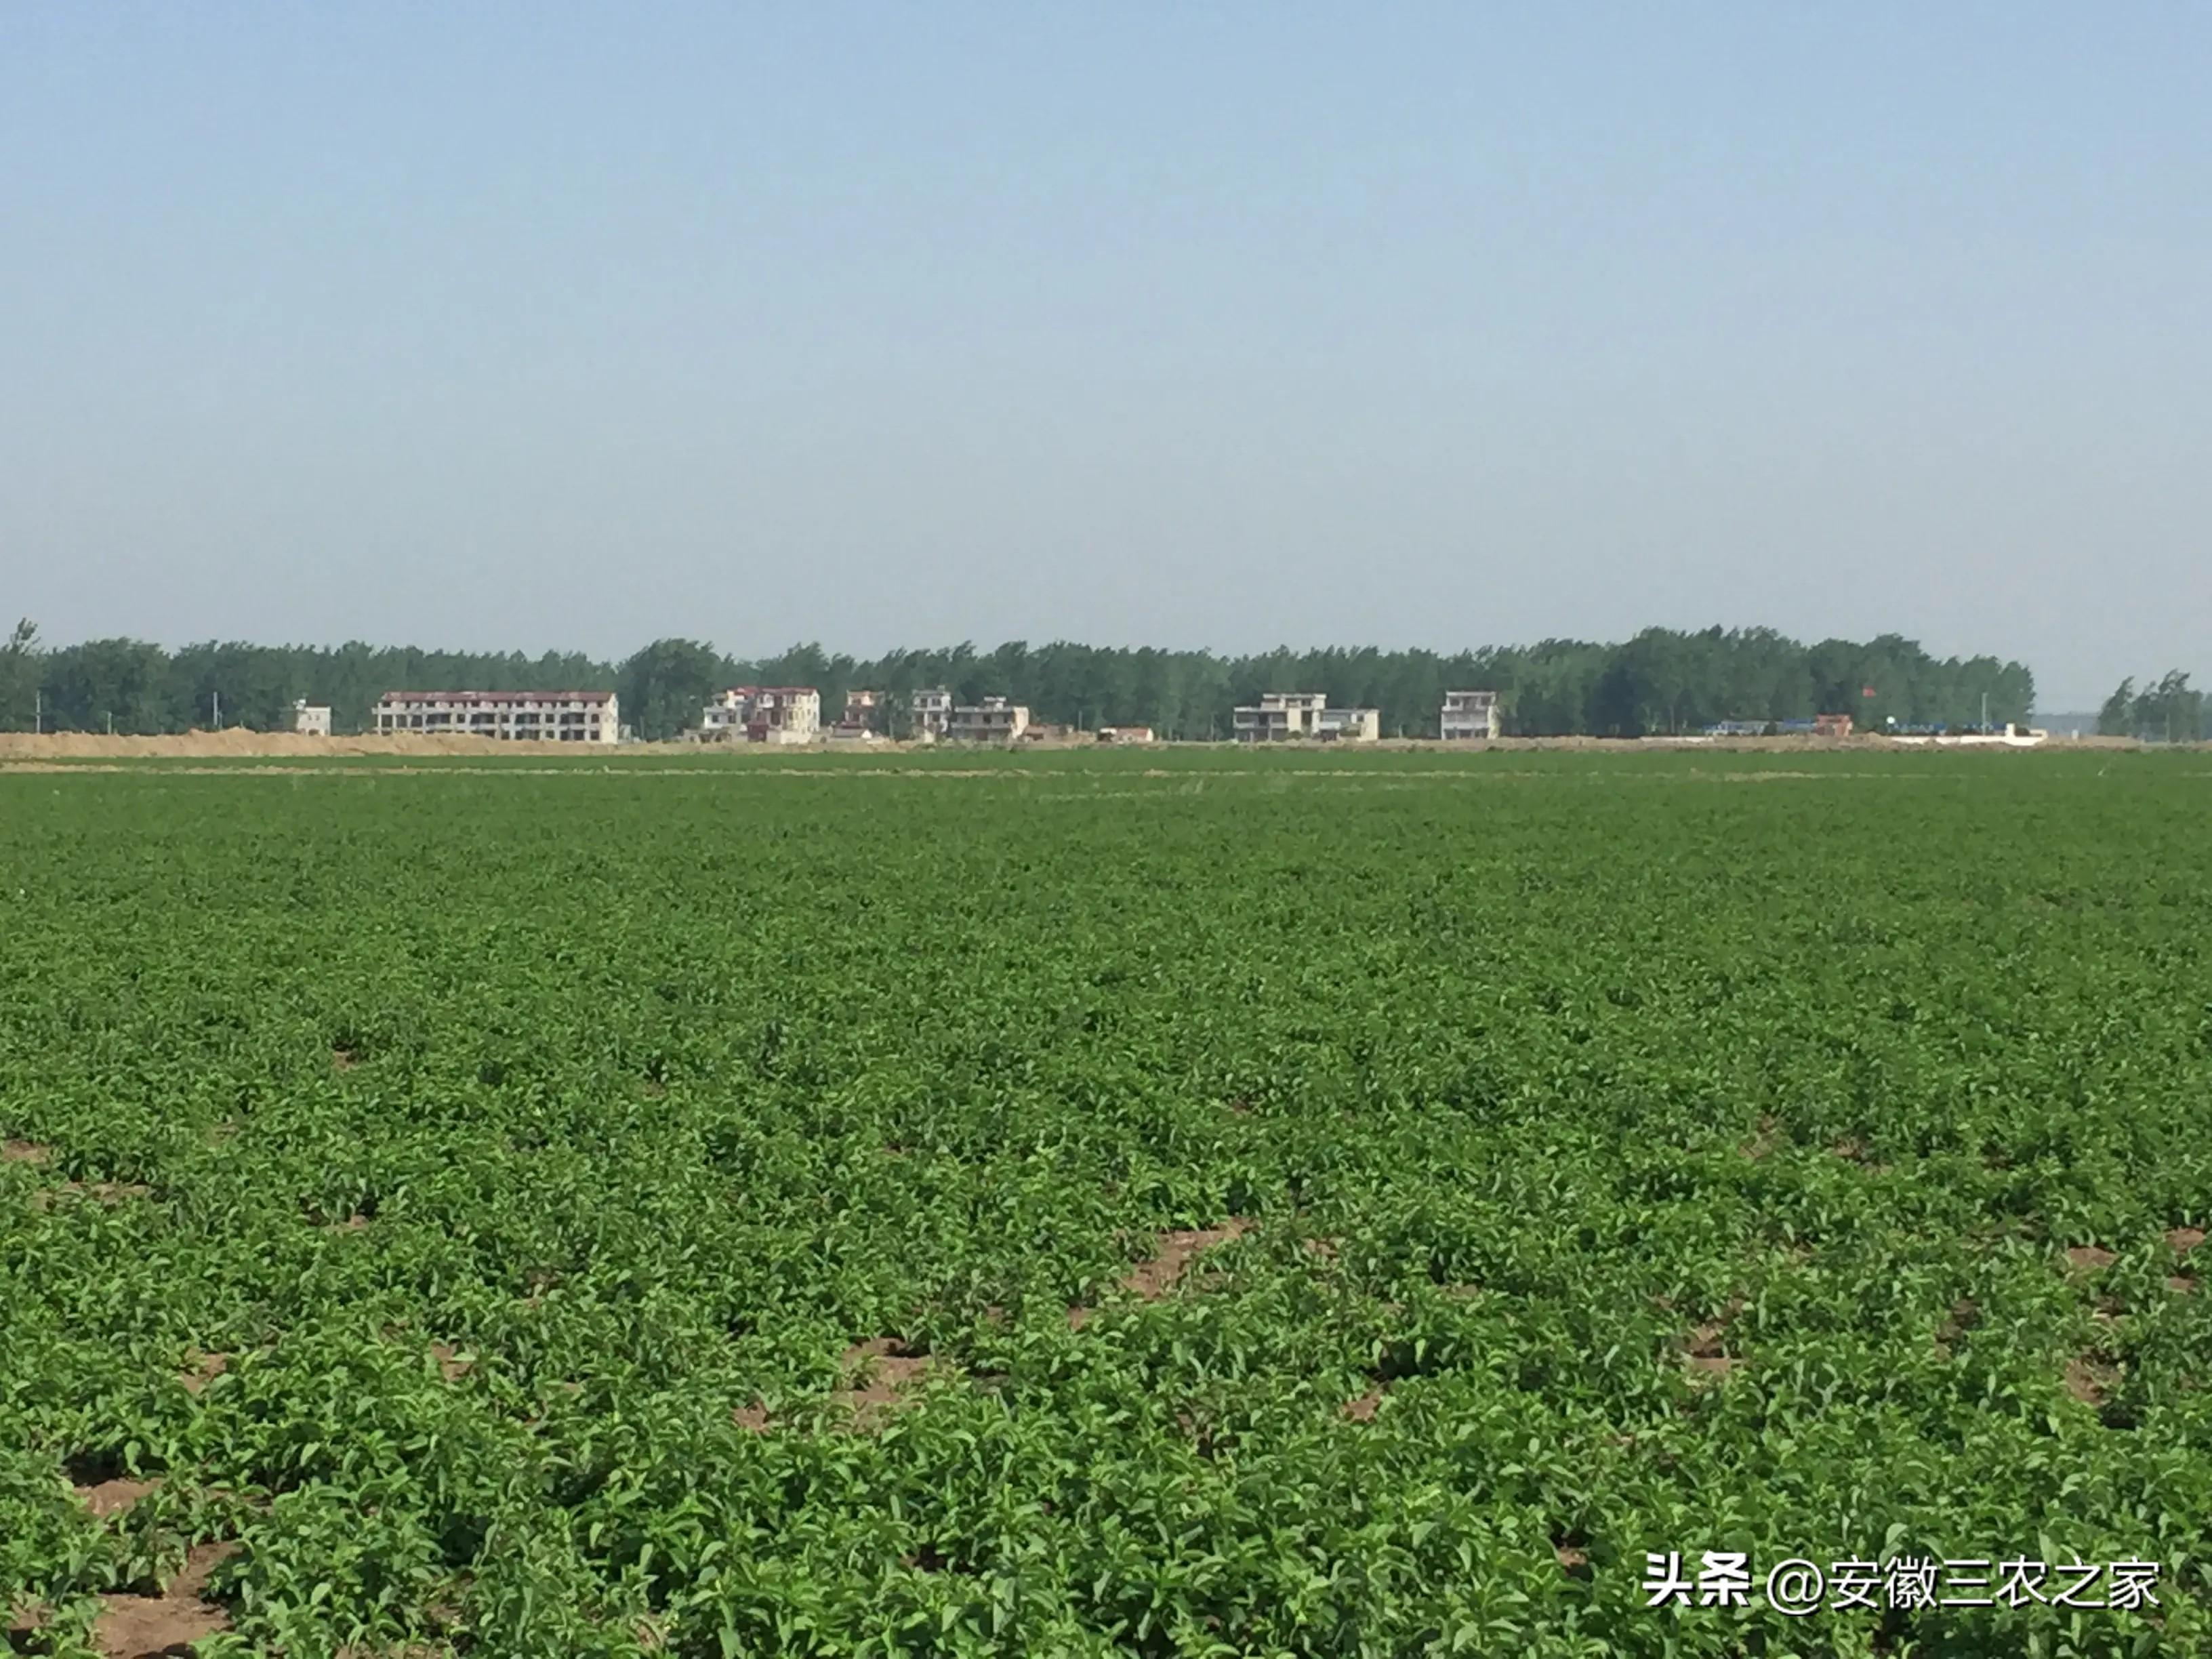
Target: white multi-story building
x=994, y=719
x=763, y=714
x=1280, y=716
x=1349, y=725
x=510, y=716
x=930, y=710
x=1468, y=715
x=724, y=717
x=311, y=720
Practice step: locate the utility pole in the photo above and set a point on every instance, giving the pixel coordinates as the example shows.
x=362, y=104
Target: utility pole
x=1986, y=711
x=218, y=697
x=39, y=713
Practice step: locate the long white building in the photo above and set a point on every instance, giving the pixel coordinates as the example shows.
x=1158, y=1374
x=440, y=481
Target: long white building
x=510, y=716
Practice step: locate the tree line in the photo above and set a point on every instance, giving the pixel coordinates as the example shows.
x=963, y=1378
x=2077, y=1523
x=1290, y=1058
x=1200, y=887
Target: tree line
x=2165, y=710
x=1660, y=681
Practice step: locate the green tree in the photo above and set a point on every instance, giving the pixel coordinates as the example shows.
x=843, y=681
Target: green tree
x=20, y=667
x=2117, y=718
x=663, y=687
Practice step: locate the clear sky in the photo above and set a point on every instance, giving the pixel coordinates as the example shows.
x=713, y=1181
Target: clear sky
x=547, y=324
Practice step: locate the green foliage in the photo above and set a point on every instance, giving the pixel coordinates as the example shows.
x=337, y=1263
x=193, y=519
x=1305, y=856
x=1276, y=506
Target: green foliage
x=663, y=687
x=1660, y=681
x=19, y=677
x=141, y=690
x=1689, y=1157
x=2169, y=711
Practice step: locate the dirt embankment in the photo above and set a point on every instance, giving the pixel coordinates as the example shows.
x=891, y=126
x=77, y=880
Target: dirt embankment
x=21, y=747
x=213, y=746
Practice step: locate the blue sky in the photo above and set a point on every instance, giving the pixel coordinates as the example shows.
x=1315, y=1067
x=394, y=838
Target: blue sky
x=1192, y=324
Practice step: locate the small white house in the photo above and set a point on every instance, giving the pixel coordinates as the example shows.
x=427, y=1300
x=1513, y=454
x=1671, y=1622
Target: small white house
x=994, y=719
x=311, y=720
x=1280, y=716
x=1468, y=716
x=1349, y=725
x=931, y=711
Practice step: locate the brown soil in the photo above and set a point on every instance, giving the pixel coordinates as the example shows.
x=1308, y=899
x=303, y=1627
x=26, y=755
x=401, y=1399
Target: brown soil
x=1762, y=1143
x=344, y=1060
x=1569, y=1557
x=1702, y=1347
x=147, y=1626
x=875, y=1374
x=2180, y=1284
x=114, y=1497
x=1363, y=1409
x=2088, y=1258
x=753, y=1417
x=24, y=746
x=1962, y=1317
x=236, y=741
x=24, y=1152
x=2088, y=1379
x=452, y=1365
x=101, y=1192
x=1704, y=1351
x=2186, y=1239
x=203, y=1369
x=1154, y=1279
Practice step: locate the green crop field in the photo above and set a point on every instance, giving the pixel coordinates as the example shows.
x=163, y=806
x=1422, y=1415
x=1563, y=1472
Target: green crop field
x=1181, y=1204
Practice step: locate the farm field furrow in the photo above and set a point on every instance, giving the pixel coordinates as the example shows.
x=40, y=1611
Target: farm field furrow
x=1113, y=1207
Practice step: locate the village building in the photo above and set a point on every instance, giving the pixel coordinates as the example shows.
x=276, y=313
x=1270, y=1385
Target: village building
x=1280, y=717
x=994, y=719
x=311, y=720
x=1125, y=734
x=1349, y=725
x=1469, y=716
x=931, y=711
x=763, y=714
x=509, y=716
x=1288, y=716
